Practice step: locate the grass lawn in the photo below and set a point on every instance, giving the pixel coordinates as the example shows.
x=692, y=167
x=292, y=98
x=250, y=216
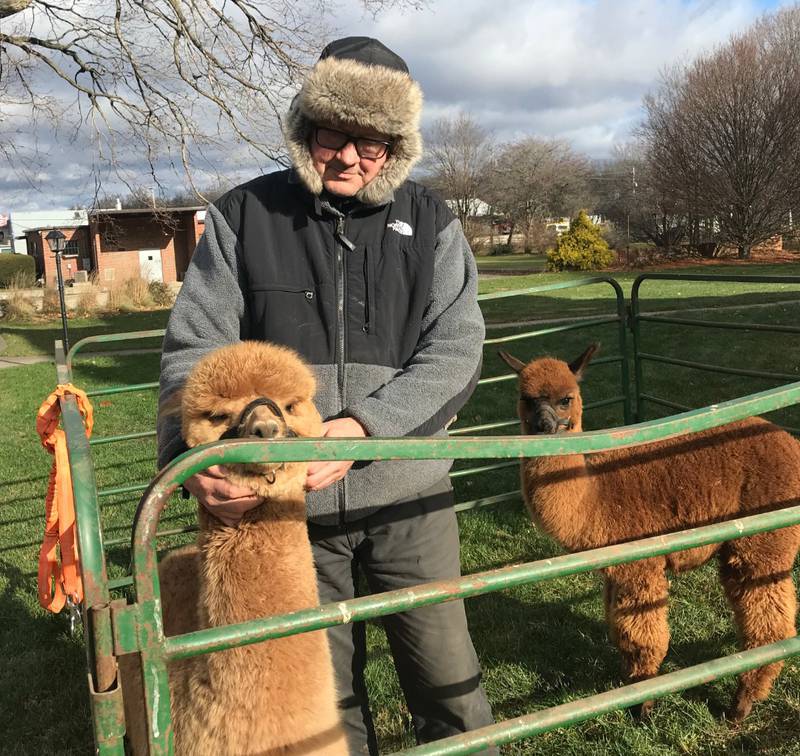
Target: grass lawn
x=23, y=339
x=598, y=299
x=539, y=645
x=511, y=263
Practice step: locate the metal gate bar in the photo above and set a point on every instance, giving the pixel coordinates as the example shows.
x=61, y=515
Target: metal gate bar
x=113, y=628
x=637, y=317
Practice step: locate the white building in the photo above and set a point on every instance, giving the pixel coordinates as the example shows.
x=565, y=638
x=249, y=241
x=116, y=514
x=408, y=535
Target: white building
x=24, y=221
x=6, y=244
x=475, y=207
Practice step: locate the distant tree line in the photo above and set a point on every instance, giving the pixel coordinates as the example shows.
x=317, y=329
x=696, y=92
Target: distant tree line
x=525, y=181
x=715, y=161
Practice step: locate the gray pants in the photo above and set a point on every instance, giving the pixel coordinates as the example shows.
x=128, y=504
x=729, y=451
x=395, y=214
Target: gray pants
x=397, y=547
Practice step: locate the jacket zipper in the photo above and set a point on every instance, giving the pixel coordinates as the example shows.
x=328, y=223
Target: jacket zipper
x=367, y=279
x=340, y=346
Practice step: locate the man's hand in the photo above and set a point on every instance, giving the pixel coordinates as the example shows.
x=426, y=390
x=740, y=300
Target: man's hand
x=226, y=501
x=322, y=474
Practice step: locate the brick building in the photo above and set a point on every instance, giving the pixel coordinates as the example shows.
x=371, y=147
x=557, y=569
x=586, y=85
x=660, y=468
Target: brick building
x=151, y=245
x=76, y=255
x=121, y=244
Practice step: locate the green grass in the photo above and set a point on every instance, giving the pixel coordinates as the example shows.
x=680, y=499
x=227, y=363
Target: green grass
x=24, y=339
x=511, y=263
x=598, y=299
x=539, y=645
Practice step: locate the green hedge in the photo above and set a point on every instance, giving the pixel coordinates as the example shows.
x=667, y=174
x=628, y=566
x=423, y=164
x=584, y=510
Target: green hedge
x=14, y=266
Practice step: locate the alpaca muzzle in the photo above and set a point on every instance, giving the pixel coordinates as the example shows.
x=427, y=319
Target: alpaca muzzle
x=542, y=418
x=252, y=425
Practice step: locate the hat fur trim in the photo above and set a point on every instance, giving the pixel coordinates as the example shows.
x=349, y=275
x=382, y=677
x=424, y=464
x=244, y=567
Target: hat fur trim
x=343, y=92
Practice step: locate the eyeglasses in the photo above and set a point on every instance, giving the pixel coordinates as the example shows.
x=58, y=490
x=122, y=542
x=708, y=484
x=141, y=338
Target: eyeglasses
x=330, y=139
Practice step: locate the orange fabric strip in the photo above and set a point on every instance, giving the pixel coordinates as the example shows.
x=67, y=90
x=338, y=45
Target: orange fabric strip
x=57, y=581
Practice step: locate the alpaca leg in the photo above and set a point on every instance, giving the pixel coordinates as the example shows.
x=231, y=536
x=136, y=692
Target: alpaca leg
x=636, y=596
x=756, y=574
x=609, y=593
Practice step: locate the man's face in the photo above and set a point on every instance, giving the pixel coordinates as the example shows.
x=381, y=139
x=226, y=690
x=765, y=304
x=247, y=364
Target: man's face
x=342, y=170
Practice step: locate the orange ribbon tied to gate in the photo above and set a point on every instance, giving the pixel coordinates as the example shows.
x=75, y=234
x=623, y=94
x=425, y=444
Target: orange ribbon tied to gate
x=59, y=582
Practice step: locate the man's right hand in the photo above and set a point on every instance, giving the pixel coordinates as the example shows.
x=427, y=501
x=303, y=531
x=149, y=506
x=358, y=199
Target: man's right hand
x=226, y=501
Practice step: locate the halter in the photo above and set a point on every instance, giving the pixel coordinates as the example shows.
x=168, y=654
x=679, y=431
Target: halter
x=235, y=430
x=561, y=422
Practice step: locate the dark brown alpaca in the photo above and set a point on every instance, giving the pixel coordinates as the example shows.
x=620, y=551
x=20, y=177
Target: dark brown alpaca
x=593, y=500
x=275, y=698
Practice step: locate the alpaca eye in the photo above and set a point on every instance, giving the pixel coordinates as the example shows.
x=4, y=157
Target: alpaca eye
x=289, y=408
x=216, y=417
x=565, y=402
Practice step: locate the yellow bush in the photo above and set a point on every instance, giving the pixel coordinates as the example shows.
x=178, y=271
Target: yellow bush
x=580, y=248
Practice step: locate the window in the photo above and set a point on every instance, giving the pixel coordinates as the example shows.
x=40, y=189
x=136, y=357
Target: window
x=72, y=248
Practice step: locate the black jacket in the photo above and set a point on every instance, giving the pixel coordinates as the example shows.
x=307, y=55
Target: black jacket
x=380, y=300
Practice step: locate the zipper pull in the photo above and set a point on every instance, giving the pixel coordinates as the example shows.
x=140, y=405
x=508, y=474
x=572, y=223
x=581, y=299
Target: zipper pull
x=343, y=240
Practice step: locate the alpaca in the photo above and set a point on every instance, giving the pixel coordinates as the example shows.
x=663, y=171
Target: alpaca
x=593, y=500
x=275, y=697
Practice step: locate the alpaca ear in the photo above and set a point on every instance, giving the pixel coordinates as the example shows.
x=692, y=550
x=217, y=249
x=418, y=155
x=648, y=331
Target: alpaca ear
x=171, y=406
x=579, y=365
x=511, y=361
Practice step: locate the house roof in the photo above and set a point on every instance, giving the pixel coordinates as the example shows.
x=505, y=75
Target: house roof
x=146, y=210
x=38, y=229
x=21, y=222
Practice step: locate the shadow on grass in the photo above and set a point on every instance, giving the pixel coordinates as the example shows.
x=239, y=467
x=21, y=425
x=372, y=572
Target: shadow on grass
x=122, y=370
x=44, y=702
x=534, y=307
x=39, y=338
x=563, y=648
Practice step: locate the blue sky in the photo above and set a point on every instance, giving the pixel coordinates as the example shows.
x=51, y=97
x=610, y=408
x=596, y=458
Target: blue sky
x=572, y=69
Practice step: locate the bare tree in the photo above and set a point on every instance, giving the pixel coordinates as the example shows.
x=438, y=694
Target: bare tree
x=458, y=153
x=627, y=194
x=533, y=179
x=175, y=82
x=723, y=134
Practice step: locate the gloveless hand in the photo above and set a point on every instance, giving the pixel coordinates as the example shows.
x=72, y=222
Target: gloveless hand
x=226, y=501
x=322, y=474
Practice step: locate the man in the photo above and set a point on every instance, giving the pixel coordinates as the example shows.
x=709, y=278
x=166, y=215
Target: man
x=369, y=277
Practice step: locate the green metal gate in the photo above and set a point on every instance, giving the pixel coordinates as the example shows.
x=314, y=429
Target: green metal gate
x=114, y=627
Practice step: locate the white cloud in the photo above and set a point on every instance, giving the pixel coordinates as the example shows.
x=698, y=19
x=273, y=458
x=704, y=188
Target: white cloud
x=560, y=68
x=572, y=69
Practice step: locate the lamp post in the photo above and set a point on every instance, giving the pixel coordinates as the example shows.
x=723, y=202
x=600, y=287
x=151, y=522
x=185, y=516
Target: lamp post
x=57, y=242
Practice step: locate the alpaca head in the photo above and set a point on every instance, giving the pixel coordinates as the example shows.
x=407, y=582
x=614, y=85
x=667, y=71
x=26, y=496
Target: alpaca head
x=549, y=396
x=252, y=390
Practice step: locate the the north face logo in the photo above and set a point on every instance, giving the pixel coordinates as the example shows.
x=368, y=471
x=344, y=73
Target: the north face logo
x=401, y=227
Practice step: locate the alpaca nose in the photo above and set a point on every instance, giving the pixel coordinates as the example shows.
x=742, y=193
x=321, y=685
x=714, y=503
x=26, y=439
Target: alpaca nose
x=265, y=429
x=545, y=419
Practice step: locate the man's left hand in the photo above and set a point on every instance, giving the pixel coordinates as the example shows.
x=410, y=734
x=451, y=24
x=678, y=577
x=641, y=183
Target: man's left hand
x=322, y=474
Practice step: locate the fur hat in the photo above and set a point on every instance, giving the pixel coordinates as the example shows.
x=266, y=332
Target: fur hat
x=358, y=81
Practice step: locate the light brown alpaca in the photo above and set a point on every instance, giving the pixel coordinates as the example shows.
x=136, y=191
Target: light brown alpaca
x=275, y=697
x=619, y=495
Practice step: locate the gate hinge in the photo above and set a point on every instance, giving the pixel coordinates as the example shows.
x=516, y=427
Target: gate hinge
x=124, y=619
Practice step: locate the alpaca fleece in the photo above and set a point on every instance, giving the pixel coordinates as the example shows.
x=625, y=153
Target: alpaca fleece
x=593, y=500
x=276, y=697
